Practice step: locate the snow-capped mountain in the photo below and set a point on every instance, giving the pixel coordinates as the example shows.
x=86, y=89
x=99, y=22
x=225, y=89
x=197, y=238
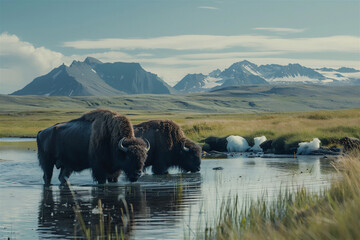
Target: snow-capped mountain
x=94, y=78
x=247, y=73
x=240, y=73
x=341, y=76
x=274, y=73
x=197, y=83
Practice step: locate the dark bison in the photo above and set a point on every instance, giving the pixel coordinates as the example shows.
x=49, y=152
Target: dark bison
x=350, y=143
x=216, y=144
x=101, y=140
x=169, y=147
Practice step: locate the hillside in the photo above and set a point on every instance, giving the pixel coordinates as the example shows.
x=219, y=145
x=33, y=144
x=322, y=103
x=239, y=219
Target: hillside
x=254, y=98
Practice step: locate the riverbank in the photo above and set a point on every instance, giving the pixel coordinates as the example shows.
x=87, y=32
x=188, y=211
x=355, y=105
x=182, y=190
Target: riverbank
x=288, y=129
x=331, y=214
x=158, y=205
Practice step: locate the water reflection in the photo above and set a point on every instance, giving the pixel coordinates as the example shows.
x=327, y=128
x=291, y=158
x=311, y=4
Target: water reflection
x=125, y=206
x=303, y=164
x=164, y=207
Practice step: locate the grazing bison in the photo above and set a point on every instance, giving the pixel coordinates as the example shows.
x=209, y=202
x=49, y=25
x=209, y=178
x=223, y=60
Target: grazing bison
x=350, y=143
x=169, y=147
x=101, y=140
x=216, y=144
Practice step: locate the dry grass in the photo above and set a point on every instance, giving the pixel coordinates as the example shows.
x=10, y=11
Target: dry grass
x=293, y=127
x=332, y=214
x=328, y=126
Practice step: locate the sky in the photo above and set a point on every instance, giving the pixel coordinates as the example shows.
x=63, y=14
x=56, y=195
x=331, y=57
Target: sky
x=172, y=38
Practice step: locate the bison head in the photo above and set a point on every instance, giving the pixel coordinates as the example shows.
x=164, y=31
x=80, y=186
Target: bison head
x=190, y=156
x=135, y=152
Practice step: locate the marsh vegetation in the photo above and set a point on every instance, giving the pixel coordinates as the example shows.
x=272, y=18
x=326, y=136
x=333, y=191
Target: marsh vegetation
x=171, y=206
x=287, y=128
x=284, y=198
x=332, y=213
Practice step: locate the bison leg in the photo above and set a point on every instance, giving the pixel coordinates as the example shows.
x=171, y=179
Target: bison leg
x=114, y=177
x=99, y=174
x=101, y=180
x=64, y=175
x=48, y=172
x=159, y=170
x=47, y=165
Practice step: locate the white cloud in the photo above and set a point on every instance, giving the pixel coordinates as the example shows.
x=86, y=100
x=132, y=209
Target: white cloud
x=21, y=62
x=220, y=55
x=208, y=7
x=144, y=55
x=339, y=43
x=111, y=56
x=281, y=30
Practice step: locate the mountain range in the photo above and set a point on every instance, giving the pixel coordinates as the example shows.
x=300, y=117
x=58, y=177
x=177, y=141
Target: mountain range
x=247, y=73
x=95, y=78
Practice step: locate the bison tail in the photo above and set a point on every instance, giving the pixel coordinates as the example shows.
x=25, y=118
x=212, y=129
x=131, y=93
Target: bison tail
x=41, y=152
x=43, y=155
x=46, y=163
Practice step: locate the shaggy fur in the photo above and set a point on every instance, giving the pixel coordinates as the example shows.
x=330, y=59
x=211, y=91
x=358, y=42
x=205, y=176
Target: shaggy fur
x=216, y=144
x=167, y=142
x=108, y=125
x=350, y=143
x=171, y=132
x=91, y=141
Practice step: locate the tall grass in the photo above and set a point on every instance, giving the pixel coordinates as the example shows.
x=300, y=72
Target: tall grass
x=106, y=229
x=304, y=126
x=331, y=214
x=291, y=128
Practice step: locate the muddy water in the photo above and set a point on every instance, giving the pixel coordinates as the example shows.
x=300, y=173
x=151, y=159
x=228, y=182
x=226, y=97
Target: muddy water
x=155, y=207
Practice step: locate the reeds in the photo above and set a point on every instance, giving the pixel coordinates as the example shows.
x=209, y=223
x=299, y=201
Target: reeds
x=331, y=214
x=104, y=229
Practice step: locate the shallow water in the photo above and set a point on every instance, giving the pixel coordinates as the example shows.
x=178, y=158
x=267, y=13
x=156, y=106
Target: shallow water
x=16, y=139
x=155, y=207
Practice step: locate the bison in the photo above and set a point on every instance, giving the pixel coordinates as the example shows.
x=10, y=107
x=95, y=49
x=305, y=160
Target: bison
x=169, y=147
x=350, y=143
x=101, y=140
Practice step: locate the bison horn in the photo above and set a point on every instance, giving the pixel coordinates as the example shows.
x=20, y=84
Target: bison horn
x=147, y=145
x=184, y=147
x=121, y=147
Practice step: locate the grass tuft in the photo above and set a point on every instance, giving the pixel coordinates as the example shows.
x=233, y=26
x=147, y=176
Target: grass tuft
x=331, y=214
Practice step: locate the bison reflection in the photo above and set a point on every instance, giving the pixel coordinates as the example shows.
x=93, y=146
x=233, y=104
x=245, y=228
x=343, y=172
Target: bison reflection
x=169, y=147
x=101, y=140
x=123, y=206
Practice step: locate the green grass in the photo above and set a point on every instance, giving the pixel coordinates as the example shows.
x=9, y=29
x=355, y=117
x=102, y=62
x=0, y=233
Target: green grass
x=201, y=115
x=287, y=128
x=331, y=214
x=28, y=123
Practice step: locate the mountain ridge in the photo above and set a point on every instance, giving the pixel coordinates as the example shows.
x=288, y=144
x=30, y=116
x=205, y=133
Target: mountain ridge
x=95, y=78
x=247, y=73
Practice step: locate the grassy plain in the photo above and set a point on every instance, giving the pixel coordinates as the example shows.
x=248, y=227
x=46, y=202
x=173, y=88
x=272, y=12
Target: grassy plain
x=332, y=214
x=290, y=128
x=287, y=113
